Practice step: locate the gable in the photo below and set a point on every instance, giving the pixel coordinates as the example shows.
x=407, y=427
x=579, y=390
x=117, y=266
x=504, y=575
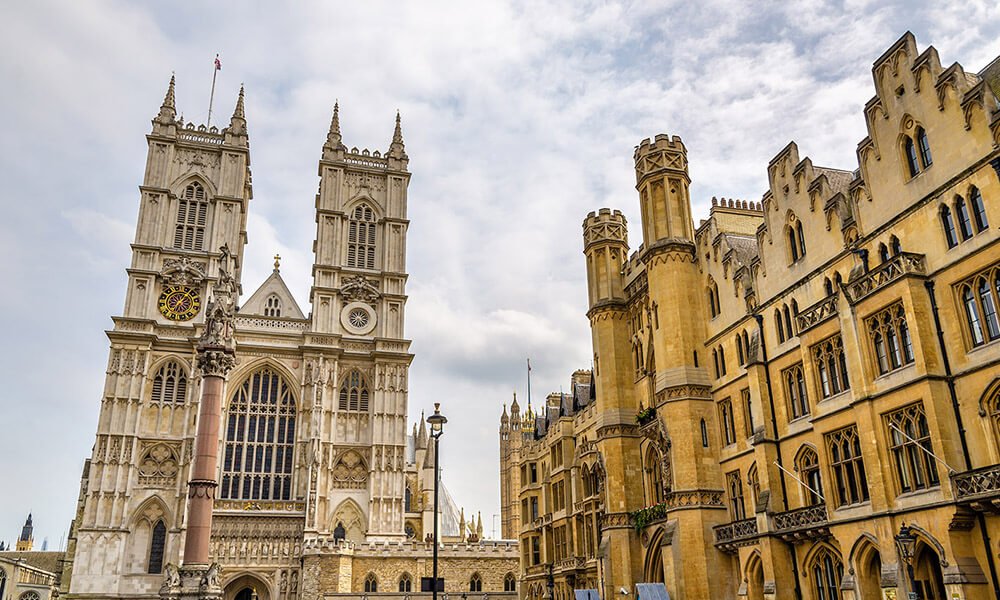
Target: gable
x=272, y=299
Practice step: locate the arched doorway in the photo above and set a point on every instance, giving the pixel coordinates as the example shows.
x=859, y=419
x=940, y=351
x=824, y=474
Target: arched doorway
x=755, y=578
x=927, y=577
x=653, y=569
x=246, y=587
x=868, y=565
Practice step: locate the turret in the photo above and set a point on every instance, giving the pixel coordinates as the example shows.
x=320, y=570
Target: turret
x=605, y=243
x=661, y=176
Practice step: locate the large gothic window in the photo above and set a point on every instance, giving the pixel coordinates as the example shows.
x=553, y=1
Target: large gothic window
x=156, y=545
x=192, y=216
x=827, y=571
x=911, y=446
x=795, y=391
x=980, y=295
x=354, y=393
x=848, y=466
x=361, y=238
x=260, y=439
x=831, y=366
x=890, y=338
x=807, y=464
x=169, y=384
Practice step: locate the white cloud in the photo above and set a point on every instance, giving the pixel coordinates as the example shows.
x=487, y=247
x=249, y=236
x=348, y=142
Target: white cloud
x=519, y=118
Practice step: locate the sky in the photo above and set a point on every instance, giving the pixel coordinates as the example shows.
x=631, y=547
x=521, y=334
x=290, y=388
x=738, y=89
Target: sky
x=518, y=118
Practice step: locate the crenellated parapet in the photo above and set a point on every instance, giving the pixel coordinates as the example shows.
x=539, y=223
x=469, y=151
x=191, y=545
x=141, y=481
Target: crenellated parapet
x=664, y=154
x=605, y=225
x=605, y=243
x=661, y=175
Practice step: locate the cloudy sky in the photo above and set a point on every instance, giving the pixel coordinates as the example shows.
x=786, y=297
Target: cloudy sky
x=519, y=118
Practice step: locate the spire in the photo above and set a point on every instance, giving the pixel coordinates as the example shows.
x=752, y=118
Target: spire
x=168, y=110
x=514, y=406
x=461, y=524
x=396, y=149
x=26, y=531
x=422, y=434
x=333, y=139
x=479, y=526
x=238, y=122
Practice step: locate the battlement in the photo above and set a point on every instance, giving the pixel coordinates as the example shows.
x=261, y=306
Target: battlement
x=737, y=204
x=409, y=548
x=661, y=141
x=605, y=225
x=366, y=158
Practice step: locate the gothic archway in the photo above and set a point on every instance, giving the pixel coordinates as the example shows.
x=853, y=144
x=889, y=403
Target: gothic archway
x=754, y=578
x=244, y=587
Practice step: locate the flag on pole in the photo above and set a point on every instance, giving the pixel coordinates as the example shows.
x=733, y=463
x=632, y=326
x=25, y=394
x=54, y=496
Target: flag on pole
x=529, y=364
x=218, y=63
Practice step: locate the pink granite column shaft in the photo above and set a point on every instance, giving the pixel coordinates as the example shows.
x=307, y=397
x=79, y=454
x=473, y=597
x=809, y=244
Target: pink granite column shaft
x=201, y=489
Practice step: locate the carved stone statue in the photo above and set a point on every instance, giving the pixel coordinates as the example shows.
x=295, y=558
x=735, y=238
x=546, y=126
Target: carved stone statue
x=171, y=578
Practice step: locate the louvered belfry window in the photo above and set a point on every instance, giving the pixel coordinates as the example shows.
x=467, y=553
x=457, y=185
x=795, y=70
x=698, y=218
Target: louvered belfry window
x=361, y=238
x=169, y=384
x=354, y=393
x=260, y=440
x=192, y=216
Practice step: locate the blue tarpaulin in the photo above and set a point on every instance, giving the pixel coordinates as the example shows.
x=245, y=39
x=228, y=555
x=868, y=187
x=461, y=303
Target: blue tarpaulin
x=586, y=595
x=651, y=591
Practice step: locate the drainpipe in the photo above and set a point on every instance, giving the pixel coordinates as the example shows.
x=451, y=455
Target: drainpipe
x=950, y=378
x=774, y=426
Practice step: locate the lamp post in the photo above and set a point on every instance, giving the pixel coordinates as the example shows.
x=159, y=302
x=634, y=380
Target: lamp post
x=437, y=421
x=906, y=541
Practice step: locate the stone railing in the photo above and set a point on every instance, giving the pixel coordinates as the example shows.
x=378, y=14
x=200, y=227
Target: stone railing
x=902, y=264
x=247, y=323
x=978, y=484
x=201, y=135
x=260, y=505
x=810, y=522
x=735, y=531
x=571, y=563
x=616, y=520
x=817, y=313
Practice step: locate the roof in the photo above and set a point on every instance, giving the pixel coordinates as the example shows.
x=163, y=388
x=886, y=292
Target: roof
x=46, y=561
x=272, y=286
x=991, y=75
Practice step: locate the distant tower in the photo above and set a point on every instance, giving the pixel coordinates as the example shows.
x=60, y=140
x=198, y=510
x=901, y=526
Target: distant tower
x=27, y=540
x=511, y=437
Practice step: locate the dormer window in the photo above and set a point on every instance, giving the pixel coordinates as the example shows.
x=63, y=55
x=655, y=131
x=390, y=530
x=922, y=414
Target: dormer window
x=272, y=306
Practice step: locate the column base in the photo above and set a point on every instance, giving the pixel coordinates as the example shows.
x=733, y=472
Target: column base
x=191, y=582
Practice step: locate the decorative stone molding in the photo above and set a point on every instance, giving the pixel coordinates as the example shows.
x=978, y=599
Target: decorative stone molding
x=730, y=536
x=618, y=430
x=904, y=263
x=817, y=313
x=360, y=289
x=809, y=523
x=621, y=520
x=183, y=271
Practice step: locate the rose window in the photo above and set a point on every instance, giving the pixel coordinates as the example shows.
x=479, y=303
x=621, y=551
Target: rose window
x=358, y=318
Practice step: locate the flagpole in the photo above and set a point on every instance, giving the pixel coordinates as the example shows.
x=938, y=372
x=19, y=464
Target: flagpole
x=211, y=97
x=529, y=382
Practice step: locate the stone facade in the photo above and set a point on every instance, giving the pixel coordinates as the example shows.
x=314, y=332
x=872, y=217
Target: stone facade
x=779, y=390
x=316, y=456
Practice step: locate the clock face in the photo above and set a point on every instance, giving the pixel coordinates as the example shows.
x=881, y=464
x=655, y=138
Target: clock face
x=179, y=302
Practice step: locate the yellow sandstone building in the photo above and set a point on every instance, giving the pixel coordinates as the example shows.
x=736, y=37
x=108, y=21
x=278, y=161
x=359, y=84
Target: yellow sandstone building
x=800, y=397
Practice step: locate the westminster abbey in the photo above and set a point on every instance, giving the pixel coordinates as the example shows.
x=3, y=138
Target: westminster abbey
x=798, y=398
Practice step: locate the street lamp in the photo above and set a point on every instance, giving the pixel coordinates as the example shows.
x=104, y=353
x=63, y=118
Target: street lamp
x=437, y=421
x=906, y=542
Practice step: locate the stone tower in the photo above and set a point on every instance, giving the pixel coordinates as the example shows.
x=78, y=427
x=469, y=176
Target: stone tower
x=679, y=386
x=510, y=477
x=26, y=541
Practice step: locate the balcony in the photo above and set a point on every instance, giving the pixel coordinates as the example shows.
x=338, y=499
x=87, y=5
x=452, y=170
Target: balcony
x=979, y=488
x=572, y=563
x=802, y=524
x=904, y=263
x=730, y=536
x=816, y=314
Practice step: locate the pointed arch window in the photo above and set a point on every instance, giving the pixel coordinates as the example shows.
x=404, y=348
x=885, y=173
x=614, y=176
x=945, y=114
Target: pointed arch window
x=361, y=238
x=475, y=583
x=883, y=253
x=802, y=238
x=924, y=145
x=753, y=482
x=894, y=246
x=169, y=384
x=828, y=571
x=272, y=306
x=713, y=299
x=156, y=545
x=354, y=393
x=405, y=583
x=793, y=243
x=831, y=366
x=737, y=503
x=509, y=583
x=948, y=224
x=260, y=440
x=740, y=358
x=978, y=210
x=722, y=360
x=795, y=391
x=192, y=218
x=890, y=338
x=407, y=499
x=780, y=325
x=371, y=584
x=807, y=464
x=653, y=468
x=964, y=221
x=915, y=468
x=913, y=167
x=727, y=421
x=848, y=466
x=789, y=332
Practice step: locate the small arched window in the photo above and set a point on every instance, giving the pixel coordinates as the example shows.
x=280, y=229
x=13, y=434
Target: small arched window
x=753, y=482
x=910, y=151
x=739, y=350
x=793, y=243
x=925, y=148
x=722, y=360
x=354, y=393
x=192, y=217
x=405, y=583
x=807, y=464
x=746, y=347
x=475, y=583
x=972, y=316
x=272, y=306
x=371, y=583
x=978, y=209
x=883, y=253
x=509, y=583
x=361, y=238
x=407, y=499
x=964, y=221
x=789, y=332
x=949, y=227
x=780, y=325
x=802, y=238
x=704, y=434
x=169, y=384
x=156, y=545
x=894, y=246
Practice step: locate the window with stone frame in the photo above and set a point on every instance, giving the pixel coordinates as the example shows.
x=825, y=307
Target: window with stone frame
x=361, y=238
x=830, y=363
x=924, y=147
x=536, y=550
x=963, y=218
x=753, y=482
x=354, y=392
x=405, y=583
x=653, y=470
x=979, y=296
x=747, y=402
x=157, y=543
x=727, y=422
x=807, y=465
x=889, y=337
x=475, y=583
x=948, y=225
x=272, y=306
x=509, y=583
x=260, y=439
x=910, y=446
x=169, y=384
x=371, y=583
x=827, y=573
x=737, y=504
x=192, y=218
x=978, y=210
x=847, y=464
x=794, y=382
x=910, y=153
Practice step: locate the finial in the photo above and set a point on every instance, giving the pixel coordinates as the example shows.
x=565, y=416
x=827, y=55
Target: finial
x=277, y=262
x=238, y=113
x=168, y=110
x=397, y=135
x=396, y=147
x=333, y=139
